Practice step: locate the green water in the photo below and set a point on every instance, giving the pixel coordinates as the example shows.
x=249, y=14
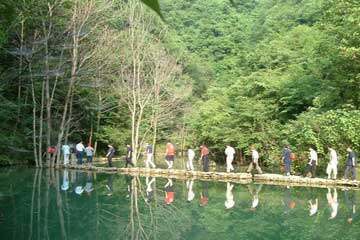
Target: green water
x=43, y=204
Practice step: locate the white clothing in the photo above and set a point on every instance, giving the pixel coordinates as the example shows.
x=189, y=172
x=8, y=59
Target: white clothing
x=229, y=152
x=66, y=159
x=191, y=194
x=333, y=157
x=313, y=156
x=66, y=149
x=189, y=163
x=149, y=161
x=313, y=207
x=89, y=151
x=65, y=185
x=255, y=202
x=333, y=202
x=255, y=155
x=229, y=203
x=80, y=147
x=332, y=166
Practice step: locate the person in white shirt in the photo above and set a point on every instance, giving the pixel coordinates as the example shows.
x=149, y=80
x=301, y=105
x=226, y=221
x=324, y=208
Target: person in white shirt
x=189, y=163
x=333, y=203
x=229, y=203
x=313, y=162
x=254, y=161
x=89, y=154
x=66, y=152
x=229, y=152
x=313, y=207
x=80, y=148
x=149, y=156
x=332, y=165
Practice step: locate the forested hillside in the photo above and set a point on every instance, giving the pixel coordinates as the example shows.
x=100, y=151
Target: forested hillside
x=240, y=72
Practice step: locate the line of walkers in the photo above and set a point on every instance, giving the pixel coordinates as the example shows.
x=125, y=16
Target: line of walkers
x=170, y=152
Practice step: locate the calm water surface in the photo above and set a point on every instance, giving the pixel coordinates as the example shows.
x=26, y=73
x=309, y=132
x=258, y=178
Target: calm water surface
x=50, y=204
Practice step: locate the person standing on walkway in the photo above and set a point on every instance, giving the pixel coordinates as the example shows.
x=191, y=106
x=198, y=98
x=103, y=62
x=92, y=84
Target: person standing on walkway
x=286, y=157
x=350, y=164
x=66, y=152
x=332, y=165
x=89, y=150
x=313, y=162
x=254, y=161
x=170, y=155
x=110, y=154
x=80, y=148
x=149, y=156
x=128, y=157
x=229, y=152
x=189, y=163
x=204, y=157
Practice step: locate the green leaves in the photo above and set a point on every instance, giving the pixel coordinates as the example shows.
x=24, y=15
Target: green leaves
x=154, y=5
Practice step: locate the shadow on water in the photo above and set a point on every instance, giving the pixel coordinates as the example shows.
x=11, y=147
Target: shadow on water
x=52, y=204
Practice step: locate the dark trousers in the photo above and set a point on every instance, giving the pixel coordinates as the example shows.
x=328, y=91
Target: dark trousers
x=205, y=162
x=351, y=169
x=287, y=167
x=128, y=162
x=79, y=156
x=110, y=160
x=89, y=159
x=311, y=168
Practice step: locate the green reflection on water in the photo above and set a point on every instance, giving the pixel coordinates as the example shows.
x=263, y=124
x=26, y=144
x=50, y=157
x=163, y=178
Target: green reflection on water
x=51, y=204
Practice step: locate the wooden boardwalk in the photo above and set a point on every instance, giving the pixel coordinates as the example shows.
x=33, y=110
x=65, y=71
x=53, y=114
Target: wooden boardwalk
x=242, y=178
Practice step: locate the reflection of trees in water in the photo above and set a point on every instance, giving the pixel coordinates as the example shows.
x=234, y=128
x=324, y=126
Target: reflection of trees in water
x=151, y=219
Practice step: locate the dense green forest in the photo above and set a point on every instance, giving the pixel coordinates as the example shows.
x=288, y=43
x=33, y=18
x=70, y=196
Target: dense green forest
x=240, y=72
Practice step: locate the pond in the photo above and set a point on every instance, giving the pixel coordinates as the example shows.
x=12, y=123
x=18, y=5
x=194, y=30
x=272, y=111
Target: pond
x=63, y=204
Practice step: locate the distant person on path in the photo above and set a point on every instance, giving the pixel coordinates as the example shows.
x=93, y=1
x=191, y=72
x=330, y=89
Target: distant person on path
x=66, y=153
x=286, y=157
x=254, y=161
x=313, y=162
x=204, y=157
x=89, y=150
x=170, y=155
x=149, y=156
x=332, y=165
x=110, y=154
x=128, y=157
x=350, y=164
x=169, y=192
x=333, y=202
x=229, y=152
x=80, y=148
x=313, y=207
x=189, y=163
x=229, y=202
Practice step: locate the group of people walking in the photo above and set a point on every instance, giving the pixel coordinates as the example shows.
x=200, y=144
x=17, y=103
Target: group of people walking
x=170, y=152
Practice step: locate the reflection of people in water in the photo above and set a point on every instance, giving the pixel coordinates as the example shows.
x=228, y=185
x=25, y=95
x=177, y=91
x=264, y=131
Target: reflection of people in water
x=288, y=202
x=65, y=184
x=109, y=185
x=229, y=203
x=128, y=180
x=78, y=182
x=204, y=195
x=149, y=189
x=333, y=202
x=89, y=183
x=255, y=195
x=350, y=201
x=169, y=192
x=313, y=207
x=190, y=193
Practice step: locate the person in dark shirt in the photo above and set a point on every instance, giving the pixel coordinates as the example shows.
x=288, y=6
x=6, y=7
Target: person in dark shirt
x=110, y=154
x=350, y=164
x=128, y=157
x=204, y=151
x=286, y=157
